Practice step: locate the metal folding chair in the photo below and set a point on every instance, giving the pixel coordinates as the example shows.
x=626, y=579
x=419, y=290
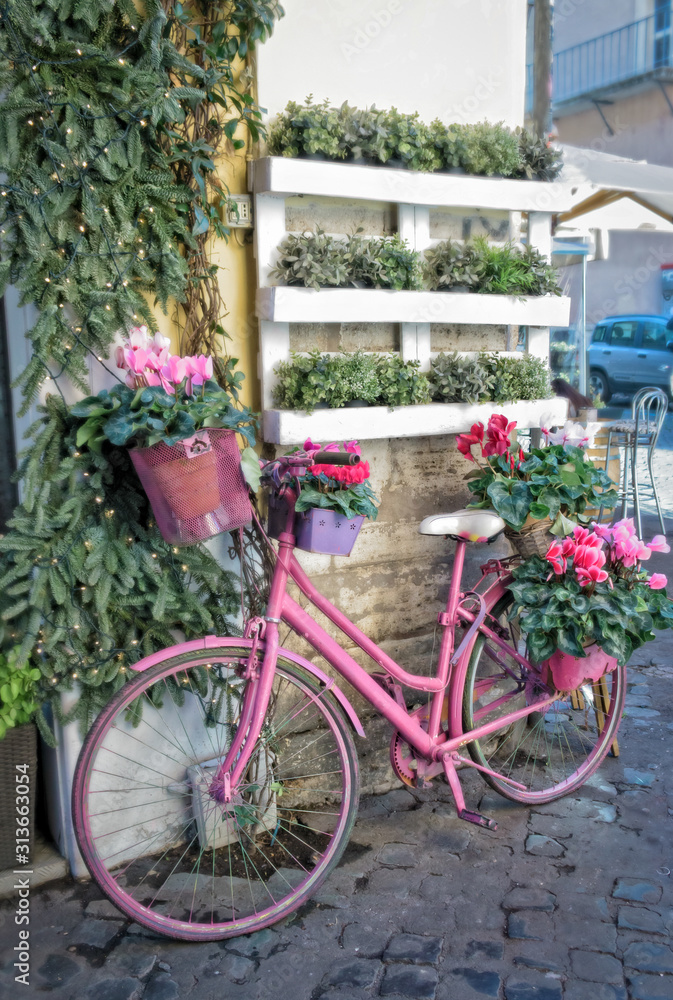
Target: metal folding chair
x=648, y=412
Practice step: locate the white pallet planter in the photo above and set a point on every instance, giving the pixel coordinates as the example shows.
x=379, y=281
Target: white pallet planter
x=273, y=179
x=282, y=175
x=289, y=427
x=284, y=304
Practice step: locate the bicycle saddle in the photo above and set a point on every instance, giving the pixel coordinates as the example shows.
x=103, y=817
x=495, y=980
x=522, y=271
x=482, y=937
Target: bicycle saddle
x=464, y=525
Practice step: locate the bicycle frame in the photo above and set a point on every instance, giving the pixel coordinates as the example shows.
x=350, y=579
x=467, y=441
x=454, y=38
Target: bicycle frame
x=431, y=743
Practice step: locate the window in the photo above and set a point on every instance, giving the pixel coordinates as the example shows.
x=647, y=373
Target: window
x=599, y=335
x=624, y=334
x=655, y=336
x=662, y=33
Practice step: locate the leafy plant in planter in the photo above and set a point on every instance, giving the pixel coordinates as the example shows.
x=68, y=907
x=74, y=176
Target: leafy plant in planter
x=400, y=382
x=487, y=148
x=522, y=377
x=408, y=142
x=314, y=260
x=318, y=260
x=511, y=270
x=305, y=381
x=449, y=145
x=166, y=399
x=539, y=159
x=365, y=132
x=378, y=379
x=459, y=379
x=341, y=488
x=591, y=589
x=308, y=130
x=18, y=689
x=357, y=376
x=454, y=265
x=385, y=262
x=556, y=482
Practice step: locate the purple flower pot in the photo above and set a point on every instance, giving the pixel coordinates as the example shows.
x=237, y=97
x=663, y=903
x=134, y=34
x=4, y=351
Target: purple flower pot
x=316, y=530
x=327, y=531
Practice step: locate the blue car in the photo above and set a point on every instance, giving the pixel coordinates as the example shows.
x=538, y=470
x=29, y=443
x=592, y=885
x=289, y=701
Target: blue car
x=629, y=352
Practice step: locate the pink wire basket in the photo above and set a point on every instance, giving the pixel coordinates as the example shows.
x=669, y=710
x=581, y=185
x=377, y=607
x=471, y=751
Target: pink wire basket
x=196, y=487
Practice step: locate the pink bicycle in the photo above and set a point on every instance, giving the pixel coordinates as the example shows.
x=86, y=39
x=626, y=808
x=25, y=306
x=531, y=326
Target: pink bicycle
x=218, y=789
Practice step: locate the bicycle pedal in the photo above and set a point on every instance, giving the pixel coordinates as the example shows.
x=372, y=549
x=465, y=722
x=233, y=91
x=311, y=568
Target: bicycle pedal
x=477, y=819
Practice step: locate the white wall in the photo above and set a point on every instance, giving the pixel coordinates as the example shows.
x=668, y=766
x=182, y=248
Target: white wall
x=459, y=60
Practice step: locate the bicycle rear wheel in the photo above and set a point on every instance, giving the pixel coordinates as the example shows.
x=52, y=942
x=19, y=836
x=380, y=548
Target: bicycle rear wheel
x=552, y=751
x=162, y=848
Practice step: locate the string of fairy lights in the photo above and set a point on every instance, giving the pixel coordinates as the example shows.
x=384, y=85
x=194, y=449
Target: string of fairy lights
x=73, y=172
x=77, y=174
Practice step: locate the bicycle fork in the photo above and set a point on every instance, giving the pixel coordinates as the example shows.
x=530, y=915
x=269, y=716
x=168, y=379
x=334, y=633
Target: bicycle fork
x=255, y=703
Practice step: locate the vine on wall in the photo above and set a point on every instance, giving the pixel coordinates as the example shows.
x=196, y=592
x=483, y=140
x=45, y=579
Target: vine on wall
x=113, y=115
x=112, y=120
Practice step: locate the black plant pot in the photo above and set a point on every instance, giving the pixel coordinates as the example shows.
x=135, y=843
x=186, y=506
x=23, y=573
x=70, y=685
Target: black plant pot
x=357, y=402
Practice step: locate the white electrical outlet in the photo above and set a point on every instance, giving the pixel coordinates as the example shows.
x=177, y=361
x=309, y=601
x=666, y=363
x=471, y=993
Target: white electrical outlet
x=239, y=211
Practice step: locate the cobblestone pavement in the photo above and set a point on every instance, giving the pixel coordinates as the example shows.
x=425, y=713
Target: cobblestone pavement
x=570, y=901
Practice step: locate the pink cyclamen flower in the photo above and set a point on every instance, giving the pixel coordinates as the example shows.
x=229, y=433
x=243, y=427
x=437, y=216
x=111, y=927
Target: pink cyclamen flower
x=556, y=558
x=659, y=544
x=138, y=338
x=569, y=546
x=583, y=536
x=353, y=447
x=160, y=343
x=657, y=581
x=311, y=445
x=136, y=360
x=590, y=574
x=175, y=370
x=199, y=369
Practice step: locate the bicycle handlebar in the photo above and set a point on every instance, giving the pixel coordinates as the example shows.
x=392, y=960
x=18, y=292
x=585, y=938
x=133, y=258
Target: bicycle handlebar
x=335, y=458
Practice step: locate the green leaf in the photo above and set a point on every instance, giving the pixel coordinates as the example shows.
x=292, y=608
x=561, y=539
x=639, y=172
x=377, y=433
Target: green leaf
x=251, y=469
x=201, y=224
x=511, y=500
x=562, y=526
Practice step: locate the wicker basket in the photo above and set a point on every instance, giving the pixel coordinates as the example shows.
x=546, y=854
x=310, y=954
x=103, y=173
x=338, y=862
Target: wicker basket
x=533, y=539
x=18, y=747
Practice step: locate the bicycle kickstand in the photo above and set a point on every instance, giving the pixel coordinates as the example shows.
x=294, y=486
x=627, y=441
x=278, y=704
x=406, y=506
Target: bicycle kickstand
x=459, y=799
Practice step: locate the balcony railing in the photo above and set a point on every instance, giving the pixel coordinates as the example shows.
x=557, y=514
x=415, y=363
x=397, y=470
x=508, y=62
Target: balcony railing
x=619, y=56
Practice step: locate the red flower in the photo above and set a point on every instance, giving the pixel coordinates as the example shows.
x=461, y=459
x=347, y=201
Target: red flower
x=497, y=435
x=464, y=442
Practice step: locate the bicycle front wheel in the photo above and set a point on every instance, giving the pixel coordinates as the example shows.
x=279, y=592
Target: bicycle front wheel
x=552, y=751
x=148, y=822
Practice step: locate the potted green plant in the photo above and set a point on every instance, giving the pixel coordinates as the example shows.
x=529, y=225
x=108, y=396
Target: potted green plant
x=408, y=143
x=539, y=159
x=488, y=148
x=314, y=260
x=333, y=502
x=179, y=425
x=365, y=133
x=308, y=130
x=385, y=262
x=449, y=145
x=588, y=604
x=459, y=379
x=18, y=757
x=545, y=490
x=400, y=382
